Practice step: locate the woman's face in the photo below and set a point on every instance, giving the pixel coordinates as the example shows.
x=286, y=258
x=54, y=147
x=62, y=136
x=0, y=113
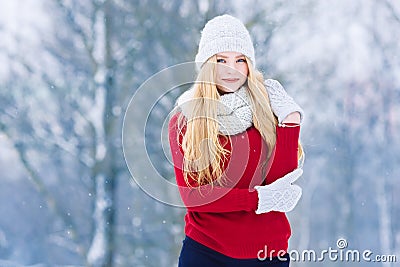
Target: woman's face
x=231, y=70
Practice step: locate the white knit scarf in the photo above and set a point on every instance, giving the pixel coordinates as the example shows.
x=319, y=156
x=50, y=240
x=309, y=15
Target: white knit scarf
x=234, y=112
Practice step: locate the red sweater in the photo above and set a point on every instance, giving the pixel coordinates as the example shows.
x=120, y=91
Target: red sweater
x=224, y=218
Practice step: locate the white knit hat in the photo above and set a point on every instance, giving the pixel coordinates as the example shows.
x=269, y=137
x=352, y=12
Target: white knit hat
x=224, y=34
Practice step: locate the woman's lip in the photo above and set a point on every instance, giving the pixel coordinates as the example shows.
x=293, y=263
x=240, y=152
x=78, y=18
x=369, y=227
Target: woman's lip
x=231, y=80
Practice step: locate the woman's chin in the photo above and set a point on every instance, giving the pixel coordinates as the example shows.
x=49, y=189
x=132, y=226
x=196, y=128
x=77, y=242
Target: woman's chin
x=228, y=89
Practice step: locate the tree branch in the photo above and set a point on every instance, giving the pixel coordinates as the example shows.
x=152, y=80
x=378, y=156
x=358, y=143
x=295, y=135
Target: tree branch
x=41, y=188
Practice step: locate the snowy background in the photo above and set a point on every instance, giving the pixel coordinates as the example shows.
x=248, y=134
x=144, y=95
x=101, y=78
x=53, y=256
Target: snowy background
x=69, y=68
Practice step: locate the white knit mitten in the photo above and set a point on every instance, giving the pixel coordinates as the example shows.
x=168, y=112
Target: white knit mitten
x=282, y=104
x=280, y=195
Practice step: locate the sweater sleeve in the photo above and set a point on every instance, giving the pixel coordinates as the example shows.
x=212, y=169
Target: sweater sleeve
x=285, y=159
x=206, y=198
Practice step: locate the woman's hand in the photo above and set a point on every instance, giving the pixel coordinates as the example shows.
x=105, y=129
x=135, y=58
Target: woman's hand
x=283, y=105
x=281, y=195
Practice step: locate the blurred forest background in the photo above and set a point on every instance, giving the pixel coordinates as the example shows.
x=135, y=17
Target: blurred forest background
x=69, y=68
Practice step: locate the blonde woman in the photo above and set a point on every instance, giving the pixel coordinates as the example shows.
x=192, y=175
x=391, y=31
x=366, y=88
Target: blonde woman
x=235, y=146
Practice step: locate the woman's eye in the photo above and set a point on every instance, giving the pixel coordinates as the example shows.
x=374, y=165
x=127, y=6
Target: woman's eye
x=241, y=60
x=220, y=60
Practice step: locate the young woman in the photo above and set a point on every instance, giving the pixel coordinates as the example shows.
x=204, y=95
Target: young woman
x=235, y=146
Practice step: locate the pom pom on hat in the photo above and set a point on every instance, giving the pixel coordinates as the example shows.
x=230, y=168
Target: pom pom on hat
x=224, y=34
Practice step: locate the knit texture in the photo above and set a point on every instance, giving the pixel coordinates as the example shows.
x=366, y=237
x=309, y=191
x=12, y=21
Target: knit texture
x=234, y=114
x=224, y=218
x=280, y=195
x=282, y=104
x=224, y=34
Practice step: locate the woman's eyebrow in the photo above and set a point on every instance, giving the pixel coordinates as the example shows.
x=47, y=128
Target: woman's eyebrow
x=228, y=57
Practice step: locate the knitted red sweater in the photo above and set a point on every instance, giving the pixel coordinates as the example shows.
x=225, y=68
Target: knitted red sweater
x=224, y=218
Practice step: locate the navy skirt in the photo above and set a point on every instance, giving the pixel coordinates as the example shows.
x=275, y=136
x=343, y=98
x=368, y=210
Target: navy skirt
x=194, y=254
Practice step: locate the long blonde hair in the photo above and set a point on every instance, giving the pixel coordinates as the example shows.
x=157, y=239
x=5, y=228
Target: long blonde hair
x=203, y=152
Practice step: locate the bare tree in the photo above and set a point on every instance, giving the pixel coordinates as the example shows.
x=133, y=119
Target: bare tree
x=67, y=116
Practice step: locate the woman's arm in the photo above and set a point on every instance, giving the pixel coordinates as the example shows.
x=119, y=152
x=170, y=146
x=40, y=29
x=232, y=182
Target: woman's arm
x=287, y=143
x=293, y=117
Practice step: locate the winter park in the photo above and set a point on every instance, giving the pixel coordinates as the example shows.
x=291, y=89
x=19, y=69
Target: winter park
x=88, y=94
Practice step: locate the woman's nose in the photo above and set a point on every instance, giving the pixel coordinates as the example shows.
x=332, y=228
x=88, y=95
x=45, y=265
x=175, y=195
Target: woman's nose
x=231, y=67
